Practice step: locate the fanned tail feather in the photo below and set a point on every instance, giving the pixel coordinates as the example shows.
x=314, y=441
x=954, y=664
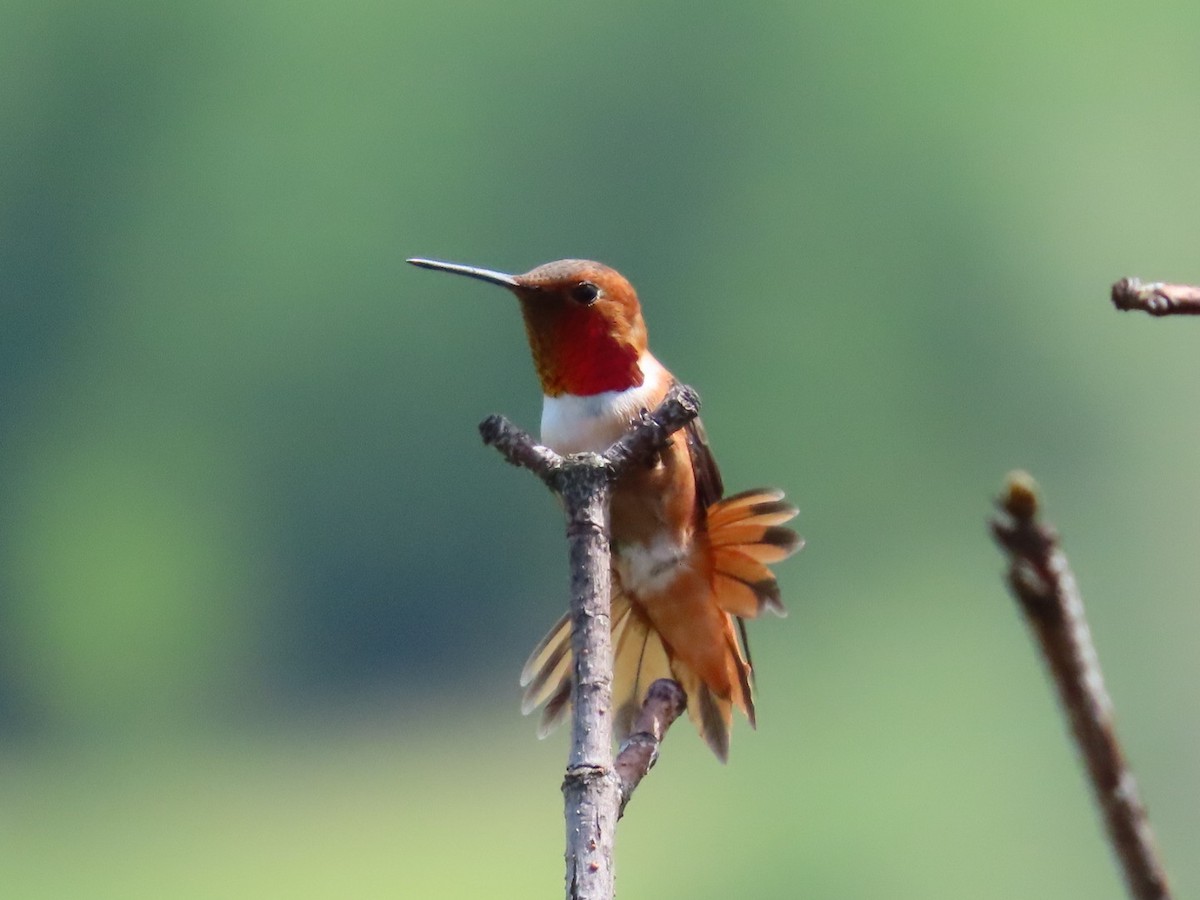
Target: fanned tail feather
x=639, y=659
x=745, y=533
x=547, y=665
x=712, y=715
x=547, y=674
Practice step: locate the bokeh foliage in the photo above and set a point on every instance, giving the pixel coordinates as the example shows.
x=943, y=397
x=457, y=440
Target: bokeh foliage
x=263, y=596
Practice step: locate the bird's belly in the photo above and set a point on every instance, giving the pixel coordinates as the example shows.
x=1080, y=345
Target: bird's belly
x=646, y=569
x=653, y=543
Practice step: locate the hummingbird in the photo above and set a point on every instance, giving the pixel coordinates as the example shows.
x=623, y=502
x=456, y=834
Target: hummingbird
x=689, y=565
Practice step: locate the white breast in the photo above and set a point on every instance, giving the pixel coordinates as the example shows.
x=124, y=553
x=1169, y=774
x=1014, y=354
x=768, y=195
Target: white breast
x=572, y=424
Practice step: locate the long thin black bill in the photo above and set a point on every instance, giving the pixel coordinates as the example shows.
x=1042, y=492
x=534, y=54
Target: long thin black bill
x=487, y=275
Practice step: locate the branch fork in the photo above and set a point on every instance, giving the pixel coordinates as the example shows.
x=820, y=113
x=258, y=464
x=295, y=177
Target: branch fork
x=596, y=788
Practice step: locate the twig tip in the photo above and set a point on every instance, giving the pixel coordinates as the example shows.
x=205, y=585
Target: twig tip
x=1126, y=293
x=668, y=692
x=689, y=399
x=1020, y=497
x=490, y=428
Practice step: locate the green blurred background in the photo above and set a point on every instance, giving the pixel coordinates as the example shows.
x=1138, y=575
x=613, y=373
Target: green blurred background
x=263, y=594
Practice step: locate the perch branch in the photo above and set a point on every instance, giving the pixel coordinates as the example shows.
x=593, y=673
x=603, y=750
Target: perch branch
x=520, y=449
x=1041, y=579
x=1157, y=298
x=650, y=433
x=665, y=701
x=592, y=788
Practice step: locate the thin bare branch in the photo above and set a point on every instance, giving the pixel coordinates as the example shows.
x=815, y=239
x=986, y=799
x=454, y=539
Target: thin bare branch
x=1157, y=298
x=592, y=787
x=1041, y=579
x=520, y=449
x=680, y=406
x=665, y=702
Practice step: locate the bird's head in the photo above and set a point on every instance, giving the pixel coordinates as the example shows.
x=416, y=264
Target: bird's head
x=583, y=321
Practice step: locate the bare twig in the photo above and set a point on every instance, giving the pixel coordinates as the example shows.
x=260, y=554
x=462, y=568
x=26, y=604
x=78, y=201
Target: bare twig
x=1157, y=298
x=592, y=787
x=665, y=701
x=1041, y=579
x=520, y=449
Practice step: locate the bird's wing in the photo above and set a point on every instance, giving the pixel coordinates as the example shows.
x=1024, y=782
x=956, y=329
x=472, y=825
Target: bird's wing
x=709, y=487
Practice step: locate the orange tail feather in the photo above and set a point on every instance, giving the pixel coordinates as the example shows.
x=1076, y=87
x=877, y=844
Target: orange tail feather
x=744, y=533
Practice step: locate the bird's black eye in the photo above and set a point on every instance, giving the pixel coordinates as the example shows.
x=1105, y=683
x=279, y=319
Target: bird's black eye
x=585, y=293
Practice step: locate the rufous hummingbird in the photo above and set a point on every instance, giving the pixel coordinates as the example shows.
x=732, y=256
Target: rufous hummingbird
x=688, y=566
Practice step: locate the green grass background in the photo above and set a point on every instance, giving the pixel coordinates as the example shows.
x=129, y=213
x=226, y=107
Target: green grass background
x=263, y=595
